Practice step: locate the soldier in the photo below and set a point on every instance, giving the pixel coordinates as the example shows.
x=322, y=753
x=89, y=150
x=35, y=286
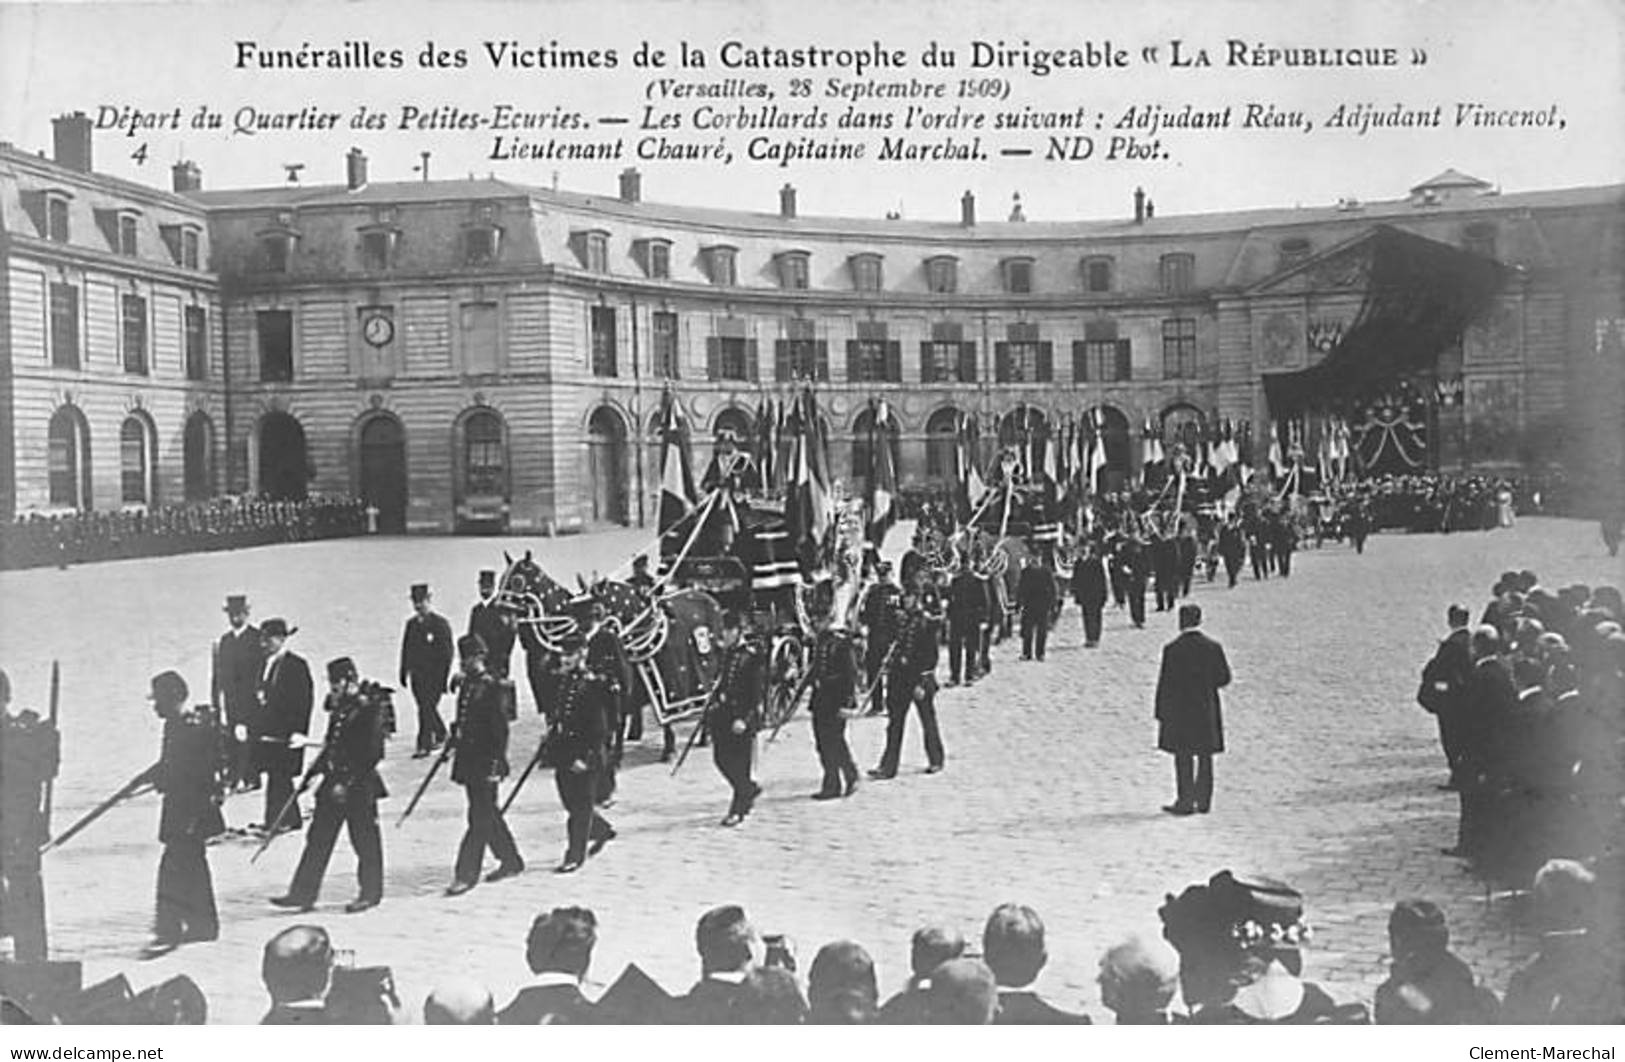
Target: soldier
x=286, y=697
x=877, y=615
x=1133, y=567
x=607, y=660
x=1186, y=548
x=1357, y=525
x=578, y=748
x=239, y=659
x=1285, y=542
x=911, y=680
x=480, y=740
x=1258, y=543
x=351, y=788
x=187, y=775
x=640, y=579
x=1035, y=591
x=426, y=648
x=1165, y=569
x=30, y=753
x=832, y=673
x=1089, y=590
x=496, y=626
x=1232, y=547
x=734, y=714
x=967, y=621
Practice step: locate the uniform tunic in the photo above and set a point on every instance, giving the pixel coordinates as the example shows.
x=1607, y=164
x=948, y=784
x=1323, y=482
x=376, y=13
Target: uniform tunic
x=348, y=795
x=479, y=762
x=186, y=775
x=833, y=674
x=741, y=686
x=30, y=753
x=578, y=750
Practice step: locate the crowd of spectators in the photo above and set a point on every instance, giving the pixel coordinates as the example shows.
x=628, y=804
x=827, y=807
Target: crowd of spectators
x=37, y=540
x=1433, y=502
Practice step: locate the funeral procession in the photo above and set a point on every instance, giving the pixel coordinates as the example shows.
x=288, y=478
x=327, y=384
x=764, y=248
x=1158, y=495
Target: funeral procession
x=473, y=601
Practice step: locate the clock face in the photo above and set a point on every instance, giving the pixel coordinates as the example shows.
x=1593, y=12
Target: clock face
x=378, y=330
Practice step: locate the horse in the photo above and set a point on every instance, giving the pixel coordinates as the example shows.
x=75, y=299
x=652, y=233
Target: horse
x=670, y=643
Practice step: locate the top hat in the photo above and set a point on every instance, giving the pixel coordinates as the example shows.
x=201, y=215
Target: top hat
x=236, y=603
x=277, y=627
x=420, y=592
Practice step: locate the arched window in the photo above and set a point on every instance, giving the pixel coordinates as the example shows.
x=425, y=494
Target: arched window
x=135, y=461
x=941, y=438
x=485, y=458
x=197, y=457
x=738, y=422
x=68, y=459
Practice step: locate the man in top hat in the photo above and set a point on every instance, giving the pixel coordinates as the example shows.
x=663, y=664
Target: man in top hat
x=286, y=696
x=348, y=764
x=426, y=651
x=578, y=747
x=495, y=625
x=30, y=753
x=832, y=672
x=1190, y=726
x=187, y=775
x=735, y=714
x=239, y=660
x=480, y=740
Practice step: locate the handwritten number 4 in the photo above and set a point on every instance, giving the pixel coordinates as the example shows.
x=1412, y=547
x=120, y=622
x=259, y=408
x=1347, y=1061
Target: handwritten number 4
x=140, y=155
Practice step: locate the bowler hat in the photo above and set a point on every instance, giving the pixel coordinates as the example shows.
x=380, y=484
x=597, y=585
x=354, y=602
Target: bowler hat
x=236, y=603
x=169, y=688
x=277, y=627
x=420, y=592
x=470, y=645
x=341, y=668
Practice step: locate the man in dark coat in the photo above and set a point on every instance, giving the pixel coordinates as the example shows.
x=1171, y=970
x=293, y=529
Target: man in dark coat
x=239, y=660
x=1134, y=567
x=187, y=774
x=1258, y=545
x=426, y=656
x=1186, y=547
x=1428, y=984
x=735, y=715
x=1089, y=588
x=1013, y=948
x=1285, y=543
x=912, y=682
x=1232, y=548
x=1165, y=570
x=286, y=698
x=480, y=742
x=1443, y=692
x=558, y=951
x=1489, y=706
x=1035, y=592
x=967, y=618
x=30, y=753
x=877, y=616
x=351, y=788
x=832, y=672
x=606, y=658
x=495, y=626
x=578, y=747
x=297, y=969
x=1190, y=725
x=726, y=943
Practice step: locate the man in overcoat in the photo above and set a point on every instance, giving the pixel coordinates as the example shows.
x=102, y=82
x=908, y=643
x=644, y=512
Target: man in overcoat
x=1189, y=725
x=286, y=698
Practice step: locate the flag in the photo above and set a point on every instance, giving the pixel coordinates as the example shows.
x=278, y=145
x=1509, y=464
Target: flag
x=1097, y=452
x=1277, y=466
x=806, y=506
x=882, y=478
x=676, y=470
x=1050, y=468
x=765, y=465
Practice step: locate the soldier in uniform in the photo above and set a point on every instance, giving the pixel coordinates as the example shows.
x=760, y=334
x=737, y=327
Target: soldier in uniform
x=187, y=774
x=480, y=740
x=349, y=794
x=607, y=660
x=30, y=753
x=832, y=672
x=1089, y=590
x=426, y=648
x=239, y=658
x=968, y=617
x=1232, y=548
x=735, y=714
x=286, y=697
x=1133, y=567
x=911, y=680
x=878, y=618
x=495, y=626
x=578, y=747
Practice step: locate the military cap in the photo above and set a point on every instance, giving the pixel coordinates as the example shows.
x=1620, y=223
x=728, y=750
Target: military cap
x=277, y=627
x=341, y=668
x=169, y=687
x=420, y=592
x=236, y=603
x=470, y=645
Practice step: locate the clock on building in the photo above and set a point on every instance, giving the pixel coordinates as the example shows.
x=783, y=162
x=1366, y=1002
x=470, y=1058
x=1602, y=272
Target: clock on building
x=378, y=329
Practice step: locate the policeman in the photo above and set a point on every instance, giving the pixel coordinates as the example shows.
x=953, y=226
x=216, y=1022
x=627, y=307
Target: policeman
x=578, y=749
x=496, y=626
x=426, y=650
x=187, y=775
x=239, y=657
x=832, y=673
x=349, y=794
x=479, y=739
x=30, y=753
x=877, y=615
x=911, y=680
x=735, y=714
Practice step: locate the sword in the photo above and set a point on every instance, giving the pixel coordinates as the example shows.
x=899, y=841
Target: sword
x=56, y=698
x=288, y=805
x=524, y=776
x=135, y=787
x=434, y=768
x=693, y=736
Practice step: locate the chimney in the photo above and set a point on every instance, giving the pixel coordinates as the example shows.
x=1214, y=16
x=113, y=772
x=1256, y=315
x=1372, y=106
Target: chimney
x=787, y=201
x=355, y=169
x=72, y=141
x=186, y=177
x=631, y=185
x=967, y=210
x=1150, y=209
x=1139, y=205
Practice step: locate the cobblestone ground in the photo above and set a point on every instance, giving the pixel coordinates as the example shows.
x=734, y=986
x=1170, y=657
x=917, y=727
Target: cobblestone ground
x=1050, y=798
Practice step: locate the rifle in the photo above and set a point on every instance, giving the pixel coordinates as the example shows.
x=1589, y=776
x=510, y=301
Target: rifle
x=135, y=787
x=693, y=736
x=56, y=698
x=316, y=769
x=524, y=776
x=439, y=761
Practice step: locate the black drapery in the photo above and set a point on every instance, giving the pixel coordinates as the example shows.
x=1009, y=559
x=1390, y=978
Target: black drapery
x=1420, y=297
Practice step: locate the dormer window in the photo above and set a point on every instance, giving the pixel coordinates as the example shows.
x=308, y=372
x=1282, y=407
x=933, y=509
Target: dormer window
x=277, y=243
x=942, y=274
x=1479, y=238
x=1018, y=275
x=127, y=234
x=721, y=264
x=56, y=218
x=1097, y=274
x=184, y=243
x=1293, y=251
x=482, y=244
x=866, y=272
x=591, y=247
x=1178, y=273
x=793, y=269
x=654, y=256
x=378, y=248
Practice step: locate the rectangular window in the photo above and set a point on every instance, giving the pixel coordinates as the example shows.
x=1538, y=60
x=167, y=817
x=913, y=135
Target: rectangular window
x=133, y=316
x=1023, y=358
x=478, y=321
x=801, y=356
x=731, y=360
x=664, y=329
x=1101, y=361
x=480, y=245
x=942, y=276
x=1097, y=274
x=722, y=265
x=597, y=252
x=946, y=357
x=197, y=343
x=64, y=326
x=126, y=235
x=866, y=273
x=485, y=468
x=660, y=260
x=375, y=248
x=1179, y=348
x=1178, y=273
x=61, y=457
x=1019, y=277
x=189, y=249
x=275, y=328
x=56, y=219
x=276, y=251
x=133, y=464
x=872, y=358
x=793, y=272
x=603, y=340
